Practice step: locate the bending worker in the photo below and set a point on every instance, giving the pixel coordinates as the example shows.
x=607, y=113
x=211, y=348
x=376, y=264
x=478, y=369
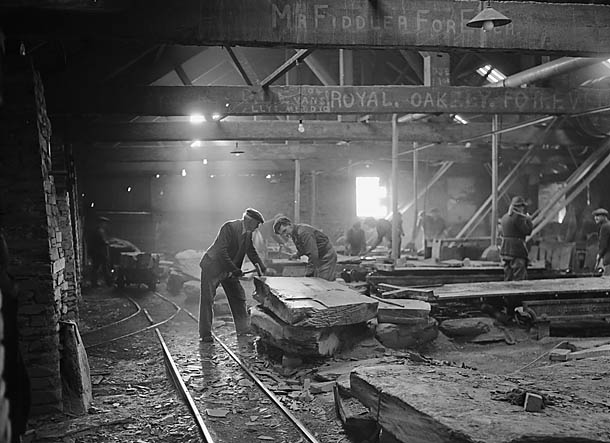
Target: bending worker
x=384, y=230
x=516, y=225
x=221, y=264
x=310, y=242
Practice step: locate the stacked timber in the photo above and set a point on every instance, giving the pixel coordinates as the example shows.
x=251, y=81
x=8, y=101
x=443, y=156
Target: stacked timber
x=310, y=316
x=405, y=323
x=440, y=404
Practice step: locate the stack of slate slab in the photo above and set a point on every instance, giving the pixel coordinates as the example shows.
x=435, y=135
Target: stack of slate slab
x=405, y=323
x=308, y=316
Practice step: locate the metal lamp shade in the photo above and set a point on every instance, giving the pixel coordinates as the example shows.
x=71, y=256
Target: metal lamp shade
x=488, y=14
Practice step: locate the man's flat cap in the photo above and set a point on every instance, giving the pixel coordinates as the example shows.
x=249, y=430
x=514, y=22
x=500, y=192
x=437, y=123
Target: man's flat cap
x=600, y=211
x=253, y=213
x=518, y=201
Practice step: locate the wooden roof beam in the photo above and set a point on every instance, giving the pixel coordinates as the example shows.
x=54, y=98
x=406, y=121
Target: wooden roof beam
x=551, y=28
x=315, y=100
x=78, y=130
x=293, y=61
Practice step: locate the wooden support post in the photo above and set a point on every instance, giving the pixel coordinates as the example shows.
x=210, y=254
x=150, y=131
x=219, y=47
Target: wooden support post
x=436, y=68
x=494, y=178
x=297, y=191
x=395, y=229
x=415, y=207
x=314, y=192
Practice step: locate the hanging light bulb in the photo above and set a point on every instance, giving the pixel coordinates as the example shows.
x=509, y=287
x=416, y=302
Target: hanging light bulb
x=301, y=128
x=205, y=161
x=236, y=151
x=183, y=173
x=488, y=19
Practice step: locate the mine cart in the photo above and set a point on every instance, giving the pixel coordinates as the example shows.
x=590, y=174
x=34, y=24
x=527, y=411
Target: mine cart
x=137, y=268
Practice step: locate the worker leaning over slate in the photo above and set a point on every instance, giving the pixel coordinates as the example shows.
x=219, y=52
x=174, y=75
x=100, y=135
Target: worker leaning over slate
x=221, y=264
x=311, y=242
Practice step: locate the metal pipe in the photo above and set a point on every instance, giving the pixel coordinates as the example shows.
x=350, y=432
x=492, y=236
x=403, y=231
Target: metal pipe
x=546, y=70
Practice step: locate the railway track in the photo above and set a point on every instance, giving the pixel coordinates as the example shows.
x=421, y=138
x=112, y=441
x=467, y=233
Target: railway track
x=221, y=391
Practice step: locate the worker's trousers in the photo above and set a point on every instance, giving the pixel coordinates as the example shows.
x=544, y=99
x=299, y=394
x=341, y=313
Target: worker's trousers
x=211, y=277
x=515, y=268
x=327, y=267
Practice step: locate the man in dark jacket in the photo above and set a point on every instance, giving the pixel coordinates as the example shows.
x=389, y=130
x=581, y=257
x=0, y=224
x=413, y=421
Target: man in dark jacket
x=311, y=242
x=603, y=252
x=516, y=226
x=384, y=230
x=355, y=240
x=97, y=248
x=221, y=264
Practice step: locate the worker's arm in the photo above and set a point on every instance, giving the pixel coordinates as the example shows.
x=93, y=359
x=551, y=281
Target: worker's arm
x=309, y=247
x=604, y=241
x=376, y=243
x=253, y=255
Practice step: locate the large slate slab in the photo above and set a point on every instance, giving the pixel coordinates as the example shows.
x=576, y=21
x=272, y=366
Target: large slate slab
x=306, y=341
x=313, y=302
x=434, y=404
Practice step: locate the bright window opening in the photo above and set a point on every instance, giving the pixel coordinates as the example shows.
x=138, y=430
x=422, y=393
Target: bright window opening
x=491, y=73
x=369, y=197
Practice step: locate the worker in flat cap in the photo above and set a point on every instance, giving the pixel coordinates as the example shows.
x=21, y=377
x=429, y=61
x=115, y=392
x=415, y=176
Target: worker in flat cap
x=603, y=252
x=312, y=243
x=97, y=248
x=516, y=226
x=221, y=265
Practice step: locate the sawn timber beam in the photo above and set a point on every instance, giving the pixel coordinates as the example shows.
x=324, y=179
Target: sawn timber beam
x=309, y=100
x=438, y=25
x=287, y=130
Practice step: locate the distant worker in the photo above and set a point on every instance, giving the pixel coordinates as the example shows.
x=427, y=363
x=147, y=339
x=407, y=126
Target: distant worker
x=97, y=247
x=433, y=225
x=516, y=226
x=311, y=242
x=384, y=230
x=603, y=252
x=355, y=240
x=221, y=264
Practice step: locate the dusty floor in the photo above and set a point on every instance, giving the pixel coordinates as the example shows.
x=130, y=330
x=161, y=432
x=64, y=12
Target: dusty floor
x=134, y=401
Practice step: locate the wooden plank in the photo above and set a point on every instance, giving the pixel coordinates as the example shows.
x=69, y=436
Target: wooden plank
x=571, y=29
x=313, y=302
x=305, y=341
x=567, y=309
x=526, y=288
x=319, y=100
x=420, y=404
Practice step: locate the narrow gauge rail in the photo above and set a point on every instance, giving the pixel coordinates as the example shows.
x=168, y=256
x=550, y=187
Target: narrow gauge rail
x=174, y=371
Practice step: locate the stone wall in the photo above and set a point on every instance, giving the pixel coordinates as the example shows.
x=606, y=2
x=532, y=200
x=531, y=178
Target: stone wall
x=34, y=236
